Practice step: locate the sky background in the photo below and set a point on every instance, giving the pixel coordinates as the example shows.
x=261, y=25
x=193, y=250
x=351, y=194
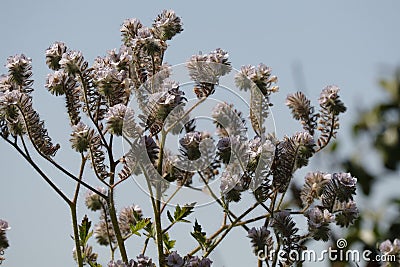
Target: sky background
x=308, y=44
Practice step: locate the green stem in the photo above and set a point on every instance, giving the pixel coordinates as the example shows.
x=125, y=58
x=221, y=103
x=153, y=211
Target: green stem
x=159, y=231
x=74, y=216
x=156, y=204
x=76, y=234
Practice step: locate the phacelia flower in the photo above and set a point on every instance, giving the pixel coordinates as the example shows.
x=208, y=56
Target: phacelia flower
x=5, y=84
x=129, y=28
x=93, y=201
x=260, y=239
x=4, y=226
x=54, y=54
x=250, y=76
x=19, y=71
x=56, y=82
x=174, y=260
x=129, y=216
x=330, y=101
x=167, y=25
x=80, y=137
x=390, y=248
x=345, y=179
x=317, y=217
x=72, y=62
x=115, y=118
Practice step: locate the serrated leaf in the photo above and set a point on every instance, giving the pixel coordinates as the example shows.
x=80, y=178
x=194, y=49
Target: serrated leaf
x=181, y=213
x=139, y=226
x=150, y=229
x=200, y=236
x=84, y=230
x=169, y=244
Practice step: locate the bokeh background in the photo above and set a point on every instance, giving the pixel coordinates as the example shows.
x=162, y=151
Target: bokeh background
x=308, y=44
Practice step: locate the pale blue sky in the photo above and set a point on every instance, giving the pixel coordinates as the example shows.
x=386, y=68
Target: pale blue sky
x=347, y=43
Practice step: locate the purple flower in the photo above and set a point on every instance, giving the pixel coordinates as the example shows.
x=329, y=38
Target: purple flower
x=317, y=217
x=4, y=226
x=345, y=179
x=174, y=260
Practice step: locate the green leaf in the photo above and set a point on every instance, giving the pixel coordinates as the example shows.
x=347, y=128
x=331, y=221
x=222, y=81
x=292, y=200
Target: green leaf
x=169, y=244
x=170, y=218
x=139, y=226
x=200, y=236
x=181, y=213
x=84, y=230
x=151, y=230
x=94, y=264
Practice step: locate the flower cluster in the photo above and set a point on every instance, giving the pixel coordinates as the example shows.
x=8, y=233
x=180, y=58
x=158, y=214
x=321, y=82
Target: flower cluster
x=335, y=191
x=141, y=261
x=167, y=25
x=261, y=164
x=19, y=72
x=260, y=239
x=111, y=76
x=3, y=239
x=115, y=118
x=93, y=201
x=54, y=54
x=260, y=76
x=161, y=106
x=206, y=70
x=175, y=260
x=390, y=252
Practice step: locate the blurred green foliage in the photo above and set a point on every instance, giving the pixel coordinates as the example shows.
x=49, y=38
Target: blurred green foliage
x=380, y=125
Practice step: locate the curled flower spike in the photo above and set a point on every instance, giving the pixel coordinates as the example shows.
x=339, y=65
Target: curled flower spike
x=206, y=71
x=313, y=186
x=229, y=121
x=104, y=232
x=56, y=82
x=345, y=179
x=80, y=137
x=260, y=239
x=250, y=76
x=5, y=84
x=73, y=62
x=19, y=72
x=93, y=201
x=329, y=99
x=115, y=118
x=129, y=29
x=54, y=54
x=111, y=79
x=30, y=119
x=190, y=144
x=302, y=111
x=167, y=25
